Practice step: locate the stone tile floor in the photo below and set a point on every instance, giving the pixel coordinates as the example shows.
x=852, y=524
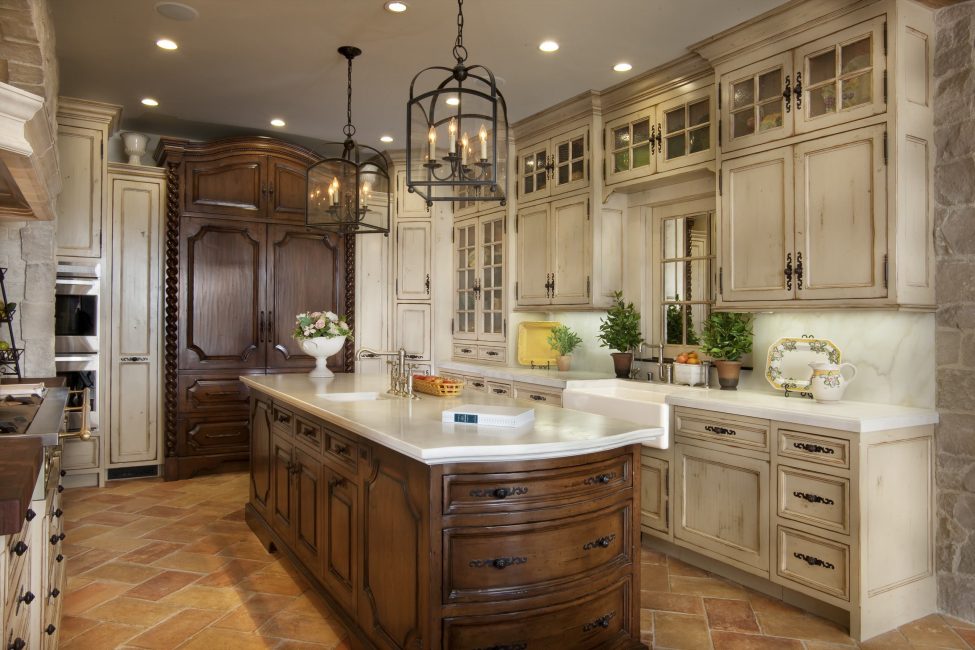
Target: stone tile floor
x=173, y=565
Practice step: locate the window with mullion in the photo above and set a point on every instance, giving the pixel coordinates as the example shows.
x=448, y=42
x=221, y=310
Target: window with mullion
x=685, y=272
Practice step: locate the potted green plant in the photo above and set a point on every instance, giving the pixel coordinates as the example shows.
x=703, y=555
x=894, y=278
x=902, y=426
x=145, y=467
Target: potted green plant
x=620, y=331
x=726, y=337
x=563, y=341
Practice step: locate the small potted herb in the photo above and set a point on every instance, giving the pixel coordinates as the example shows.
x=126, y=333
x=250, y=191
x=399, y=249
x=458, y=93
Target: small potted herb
x=726, y=337
x=563, y=341
x=620, y=331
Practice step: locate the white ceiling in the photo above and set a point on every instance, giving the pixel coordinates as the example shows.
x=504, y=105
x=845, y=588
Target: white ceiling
x=243, y=62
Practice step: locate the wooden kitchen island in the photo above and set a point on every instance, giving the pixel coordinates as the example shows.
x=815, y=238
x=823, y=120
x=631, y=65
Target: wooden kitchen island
x=430, y=535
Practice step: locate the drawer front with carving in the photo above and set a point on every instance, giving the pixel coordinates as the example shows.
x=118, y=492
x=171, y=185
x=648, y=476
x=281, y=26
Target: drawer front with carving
x=202, y=394
x=308, y=433
x=750, y=433
x=817, y=563
x=813, y=448
x=591, y=622
x=282, y=420
x=552, y=397
x=492, y=493
x=205, y=436
x=502, y=562
x=341, y=449
x=815, y=499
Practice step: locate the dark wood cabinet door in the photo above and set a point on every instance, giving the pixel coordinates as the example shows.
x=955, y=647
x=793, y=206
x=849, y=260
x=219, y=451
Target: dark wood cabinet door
x=233, y=186
x=306, y=272
x=260, y=456
x=308, y=509
x=221, y=315
x=282, y=494
x=286, y=190
x=341, y=538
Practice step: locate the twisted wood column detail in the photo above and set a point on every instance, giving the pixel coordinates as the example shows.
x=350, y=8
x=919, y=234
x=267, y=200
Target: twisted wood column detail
x=350, y=299
x=171, y=306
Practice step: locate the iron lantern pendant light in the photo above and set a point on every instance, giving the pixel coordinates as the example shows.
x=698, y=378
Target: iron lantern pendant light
x=349, y=194
x=457, y=131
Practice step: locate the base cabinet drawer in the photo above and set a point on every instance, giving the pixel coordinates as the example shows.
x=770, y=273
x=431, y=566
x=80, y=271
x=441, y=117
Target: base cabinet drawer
x=491, y=354
x=465, y=351
x=819, y=500
x=499, y=388
x=203, y=394
x=814, y=562
x=592, y=622
x=530, y=559
x=81, y=454
x=732, y=430
x=214, y=436
x=813, y=448
x=550, y=396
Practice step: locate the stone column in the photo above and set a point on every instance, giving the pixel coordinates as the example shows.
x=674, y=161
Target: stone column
x=954, y=72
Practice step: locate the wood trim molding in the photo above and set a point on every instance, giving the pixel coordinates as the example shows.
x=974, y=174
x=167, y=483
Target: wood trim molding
x=173, y=149
x=171, y=350
x=350, y=299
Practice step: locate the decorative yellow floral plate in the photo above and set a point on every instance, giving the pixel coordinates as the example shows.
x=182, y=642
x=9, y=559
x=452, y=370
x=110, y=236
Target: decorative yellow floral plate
x=787, y=367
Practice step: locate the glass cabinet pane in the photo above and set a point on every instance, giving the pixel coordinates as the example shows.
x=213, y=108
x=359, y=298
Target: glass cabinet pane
x=491, y=274
x=621, y=137
x=681, y=136
x=675, y=120
x=700, y=140
x=856, y=56
x=641, y=132
x=743, y=94
x=570, y=161
x=465, y=242
x=822, y=68
x=840, y=78
x=770, y=85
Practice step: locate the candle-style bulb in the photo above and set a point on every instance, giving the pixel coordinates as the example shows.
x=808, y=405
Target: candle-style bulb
x=432, y=136
x=482, y=135
x=452, y=136
x=464, y=148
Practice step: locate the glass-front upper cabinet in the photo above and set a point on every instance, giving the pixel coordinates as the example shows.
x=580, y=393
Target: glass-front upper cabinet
x=685, y=130
x=465, y=280
x=490, y=286
x=534, y=172
x=630, y=145
x=756, y=103
x=571, y=160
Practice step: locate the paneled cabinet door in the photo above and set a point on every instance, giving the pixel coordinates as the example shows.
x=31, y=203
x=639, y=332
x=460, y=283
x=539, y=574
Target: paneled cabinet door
x=570, y=155
x=841, y=215
x=341, y=539
x=490, y=292
x=79, y=206
x=222, y=294
x=414, y=330
x=534, y=256
x=722, y=504
x=409, y=205
x=757, y=103
x=308, y=509
x=136, y=213
x=465, y=280
x=286, y=185
x=842, y=76
x=534, y=166
x=304, y=273
x=282, y=494
x=414, y=256
x=654, y=491
x=686, y=130
x=757, y=235
x=234, y=186
x=261, y=460
x=571, y=242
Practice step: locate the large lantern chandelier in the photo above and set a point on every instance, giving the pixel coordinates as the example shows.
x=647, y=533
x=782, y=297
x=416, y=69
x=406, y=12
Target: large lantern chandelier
x=456, y=131
x=349, y=194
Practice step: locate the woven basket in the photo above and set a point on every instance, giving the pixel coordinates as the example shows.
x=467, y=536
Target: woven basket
x=438, y=389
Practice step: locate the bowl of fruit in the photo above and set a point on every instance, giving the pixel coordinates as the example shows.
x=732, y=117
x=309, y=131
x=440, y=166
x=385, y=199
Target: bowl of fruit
x=436, y=385
x=688, y=370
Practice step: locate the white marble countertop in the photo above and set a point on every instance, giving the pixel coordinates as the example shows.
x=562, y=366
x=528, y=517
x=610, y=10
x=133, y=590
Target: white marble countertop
x=552, y=378
x=856, y=417
x=414, y=427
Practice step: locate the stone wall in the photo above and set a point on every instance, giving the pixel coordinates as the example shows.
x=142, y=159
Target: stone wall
x=27, y=47
x=954, y=71
x=27, y=252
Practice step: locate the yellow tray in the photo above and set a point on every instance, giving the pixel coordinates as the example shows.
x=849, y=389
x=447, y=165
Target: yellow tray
x=533, y=343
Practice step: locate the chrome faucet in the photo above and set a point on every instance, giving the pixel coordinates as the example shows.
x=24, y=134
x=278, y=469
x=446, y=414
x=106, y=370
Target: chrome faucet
x=400, y=372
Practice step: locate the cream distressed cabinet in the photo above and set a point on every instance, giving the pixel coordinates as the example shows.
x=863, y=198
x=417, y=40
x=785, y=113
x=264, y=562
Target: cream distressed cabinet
x=413, y=273
x=82, y=207
x=838, y=78
x=414, y=246
x=808, y=221
x=553, y=166
x=479, y=321
x=555, y=253
x=137, y=196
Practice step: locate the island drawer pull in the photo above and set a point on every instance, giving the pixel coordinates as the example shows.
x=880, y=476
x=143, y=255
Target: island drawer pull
x=813, y=498
x=602, y=621
x=309, y=432
x=602, y=542
x=813, y=561
x=721, y=431
x=499, y=493
x=282, y=417
x=466, y=350
x=603, y=478
x=337, y=482
x=497, y=563
x=224, y=393
x=813, y=449
x=339, y=448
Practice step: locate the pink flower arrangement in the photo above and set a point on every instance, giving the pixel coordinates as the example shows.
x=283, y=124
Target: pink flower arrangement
x=320, y=324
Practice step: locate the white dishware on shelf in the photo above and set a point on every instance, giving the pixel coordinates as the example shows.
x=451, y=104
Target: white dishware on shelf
x=322, y=348
x=828, y=383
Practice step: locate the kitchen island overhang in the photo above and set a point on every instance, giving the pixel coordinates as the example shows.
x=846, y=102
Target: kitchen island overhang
x=430, y=535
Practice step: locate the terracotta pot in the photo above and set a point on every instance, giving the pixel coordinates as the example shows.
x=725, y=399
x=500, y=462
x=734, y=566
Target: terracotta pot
x=728, y=374
x=564, y=362
x=621, y=363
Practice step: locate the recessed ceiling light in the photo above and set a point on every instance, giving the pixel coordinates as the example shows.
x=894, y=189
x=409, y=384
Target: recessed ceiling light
x=385, y=138
x=176, y=11
x=277, y=122
x=622, y=67
x=395, y=7
x=548, y=46
x=166, y=44
x=149, y=101
x=453, y=101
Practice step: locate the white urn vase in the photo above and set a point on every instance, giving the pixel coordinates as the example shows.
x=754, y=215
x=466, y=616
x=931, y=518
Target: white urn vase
x=135, y=146
x=322, y=348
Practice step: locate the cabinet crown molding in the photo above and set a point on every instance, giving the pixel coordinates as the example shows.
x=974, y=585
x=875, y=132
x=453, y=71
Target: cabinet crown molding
x=173, y=149
x=582, y=106
x=86, y=109
x=656, y=81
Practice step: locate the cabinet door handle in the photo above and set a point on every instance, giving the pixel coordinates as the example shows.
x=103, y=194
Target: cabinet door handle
x=477, y=384
x=308, y=432
x=813, y=449
x=799, y=270
x=505, y=646
x=426, y=284
x=653, y=137
x=341, y=449
x=813, y=498
x=270, y=189
x=260, y=327
x=602, y=621
x=814, y=561
x=797, y=90
x=602, y=542
x=788, y=271
x=660, y=139
x=787, y=94
x=721, y=431
x=282, y=417
x=134, y=359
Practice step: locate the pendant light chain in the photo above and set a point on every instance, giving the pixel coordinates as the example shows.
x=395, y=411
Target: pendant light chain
x=349, y=129
x=460, y=52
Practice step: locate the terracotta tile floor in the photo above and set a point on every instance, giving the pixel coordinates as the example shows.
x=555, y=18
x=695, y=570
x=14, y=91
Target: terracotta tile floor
x=172, y=565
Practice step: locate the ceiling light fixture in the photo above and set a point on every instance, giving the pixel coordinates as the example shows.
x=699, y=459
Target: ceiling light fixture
x=395, y=7
x=277, y=122
x=349, y=194
x=453, y=101
x=176, y=11
x=473, y=165
x=167, y=44
x=622, y=67
x=149, y=101
x=386, y=138
x=548, y=46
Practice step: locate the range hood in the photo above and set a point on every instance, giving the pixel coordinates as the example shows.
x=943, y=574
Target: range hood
x=29, y=177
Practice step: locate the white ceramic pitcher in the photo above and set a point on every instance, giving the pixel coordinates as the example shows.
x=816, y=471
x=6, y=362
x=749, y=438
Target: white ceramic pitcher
x=828, y=383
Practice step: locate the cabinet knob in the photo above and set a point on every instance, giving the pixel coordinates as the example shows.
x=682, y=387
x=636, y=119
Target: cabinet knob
x=27, y=598
x=30, y=514
x=20, y=548
x=63, y=473
x=58, y=513
x=59, y=558
x=55, y=592
x=17, y=644
x=50, y=629
x=60, y=489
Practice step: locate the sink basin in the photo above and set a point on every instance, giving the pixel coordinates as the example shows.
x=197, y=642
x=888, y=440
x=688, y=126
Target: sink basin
x=353, y=397
x=642, y=404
